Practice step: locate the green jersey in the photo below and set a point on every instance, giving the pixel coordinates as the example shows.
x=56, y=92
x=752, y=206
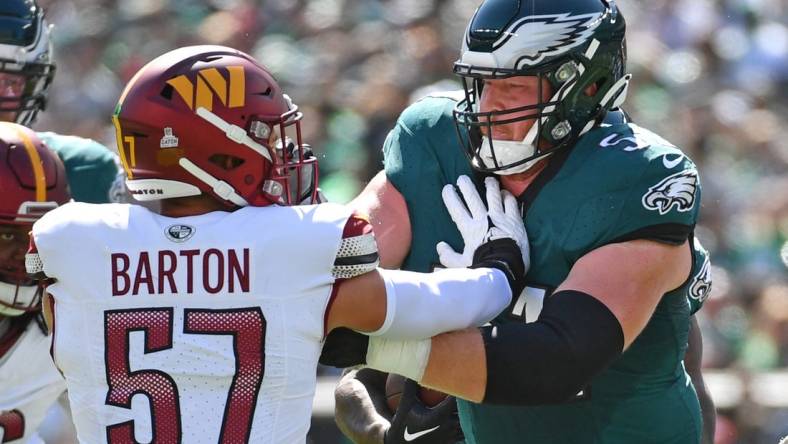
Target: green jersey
x=618, y=183
x=90, y=166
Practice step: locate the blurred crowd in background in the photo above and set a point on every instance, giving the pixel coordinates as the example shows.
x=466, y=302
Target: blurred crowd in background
x=709, y=76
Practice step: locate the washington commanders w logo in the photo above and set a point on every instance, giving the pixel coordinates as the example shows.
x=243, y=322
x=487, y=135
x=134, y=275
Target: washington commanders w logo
x=210, y=84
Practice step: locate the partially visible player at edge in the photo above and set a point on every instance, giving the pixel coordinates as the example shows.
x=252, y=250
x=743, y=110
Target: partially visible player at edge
x=215, y=307
x=32, y=182
x=610, y=210
x=31, y=384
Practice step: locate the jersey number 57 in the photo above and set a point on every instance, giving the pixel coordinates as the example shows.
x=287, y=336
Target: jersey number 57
x=245, y=325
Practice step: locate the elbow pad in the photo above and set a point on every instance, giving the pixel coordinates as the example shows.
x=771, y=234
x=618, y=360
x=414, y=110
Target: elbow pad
x=552, y=359
x=422, y=305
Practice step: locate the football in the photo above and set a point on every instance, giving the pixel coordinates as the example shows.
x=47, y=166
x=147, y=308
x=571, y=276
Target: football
x=395, y=384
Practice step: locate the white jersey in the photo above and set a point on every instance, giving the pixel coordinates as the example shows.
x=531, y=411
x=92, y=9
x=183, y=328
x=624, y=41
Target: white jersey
x=29, y=384
x=199, y=329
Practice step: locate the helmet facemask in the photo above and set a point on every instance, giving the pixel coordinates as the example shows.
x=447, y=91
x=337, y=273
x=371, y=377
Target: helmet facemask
x=19, y=294
x=504, y=156
x=586, y=80
x=25, y=52
x=294, y=172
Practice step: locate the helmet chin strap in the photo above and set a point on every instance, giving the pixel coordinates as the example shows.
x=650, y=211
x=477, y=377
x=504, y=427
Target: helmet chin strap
x=237, y=135
x=220, y=187
x=12, y=294
x=508, y=152
x=234, y=132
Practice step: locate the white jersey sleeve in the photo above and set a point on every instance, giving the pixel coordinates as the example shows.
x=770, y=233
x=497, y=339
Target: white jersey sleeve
x=29, y=383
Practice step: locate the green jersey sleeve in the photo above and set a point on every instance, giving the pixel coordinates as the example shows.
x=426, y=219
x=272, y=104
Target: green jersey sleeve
x=90, y=166
x=699, y=287
x=663, y=204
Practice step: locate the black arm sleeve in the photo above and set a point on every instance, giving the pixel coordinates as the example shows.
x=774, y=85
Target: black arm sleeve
x=552, y=359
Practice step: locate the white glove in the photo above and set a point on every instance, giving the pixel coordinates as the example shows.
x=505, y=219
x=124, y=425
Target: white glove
x=506, y=218
x=471, y=222
x=504, y=212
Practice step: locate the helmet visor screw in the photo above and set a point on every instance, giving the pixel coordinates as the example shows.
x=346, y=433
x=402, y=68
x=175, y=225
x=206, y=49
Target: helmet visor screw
x=561, y=130
x=566, y=71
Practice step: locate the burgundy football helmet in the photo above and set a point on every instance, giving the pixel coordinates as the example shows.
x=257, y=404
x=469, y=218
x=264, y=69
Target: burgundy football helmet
x=211, y=119
x=32, y=182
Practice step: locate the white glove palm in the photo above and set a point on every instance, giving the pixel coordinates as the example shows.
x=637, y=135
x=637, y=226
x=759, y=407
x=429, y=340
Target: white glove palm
x=473, y=221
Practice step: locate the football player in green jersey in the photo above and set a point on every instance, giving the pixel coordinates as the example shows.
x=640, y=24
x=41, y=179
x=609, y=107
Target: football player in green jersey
x=26, y=73
x=593, y=350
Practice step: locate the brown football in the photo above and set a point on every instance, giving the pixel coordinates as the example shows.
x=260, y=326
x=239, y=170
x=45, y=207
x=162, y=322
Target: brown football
x=394, y=386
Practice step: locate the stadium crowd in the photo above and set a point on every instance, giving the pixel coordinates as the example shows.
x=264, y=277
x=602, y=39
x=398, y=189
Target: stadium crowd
x=710, y=75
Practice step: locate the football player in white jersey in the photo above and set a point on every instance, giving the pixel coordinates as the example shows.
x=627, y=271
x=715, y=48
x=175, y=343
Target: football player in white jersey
x=202, y=322
x=32, y=182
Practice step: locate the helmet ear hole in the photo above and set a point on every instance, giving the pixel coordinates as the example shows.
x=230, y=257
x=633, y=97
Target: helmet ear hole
x=594, y=88
x=226, y=161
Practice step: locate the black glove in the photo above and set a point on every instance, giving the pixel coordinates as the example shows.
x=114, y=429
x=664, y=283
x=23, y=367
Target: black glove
x=344, y=348
x=415, y=423
x=505, y=255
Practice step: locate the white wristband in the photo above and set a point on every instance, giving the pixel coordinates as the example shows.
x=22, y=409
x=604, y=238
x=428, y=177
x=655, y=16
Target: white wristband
x=406, y=358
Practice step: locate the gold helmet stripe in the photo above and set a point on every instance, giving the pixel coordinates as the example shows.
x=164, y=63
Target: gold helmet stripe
x=121, y=149
x=35, y=161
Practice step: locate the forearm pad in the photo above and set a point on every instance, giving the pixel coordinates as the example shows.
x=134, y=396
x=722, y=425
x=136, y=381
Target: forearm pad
x=552, y=359
x=422, y=305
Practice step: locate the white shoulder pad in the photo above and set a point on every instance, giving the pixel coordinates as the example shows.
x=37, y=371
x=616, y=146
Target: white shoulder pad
x=356, y=255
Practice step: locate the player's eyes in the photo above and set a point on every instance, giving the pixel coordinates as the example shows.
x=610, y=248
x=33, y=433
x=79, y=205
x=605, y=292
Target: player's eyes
x=6, y=237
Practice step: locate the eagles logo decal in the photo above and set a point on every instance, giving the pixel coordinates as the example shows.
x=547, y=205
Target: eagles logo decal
x=701, y=282
x=539, y=36
x=675, y=190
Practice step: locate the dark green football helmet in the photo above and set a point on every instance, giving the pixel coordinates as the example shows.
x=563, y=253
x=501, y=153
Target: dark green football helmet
x=573, y=44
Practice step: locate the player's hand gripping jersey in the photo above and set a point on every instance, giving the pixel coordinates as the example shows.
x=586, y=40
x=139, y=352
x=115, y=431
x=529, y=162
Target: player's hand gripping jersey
x=619, y=182
x=135, y=286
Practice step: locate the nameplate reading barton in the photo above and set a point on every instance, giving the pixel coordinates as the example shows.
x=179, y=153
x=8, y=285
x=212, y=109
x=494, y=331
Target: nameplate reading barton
x=212, y=270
